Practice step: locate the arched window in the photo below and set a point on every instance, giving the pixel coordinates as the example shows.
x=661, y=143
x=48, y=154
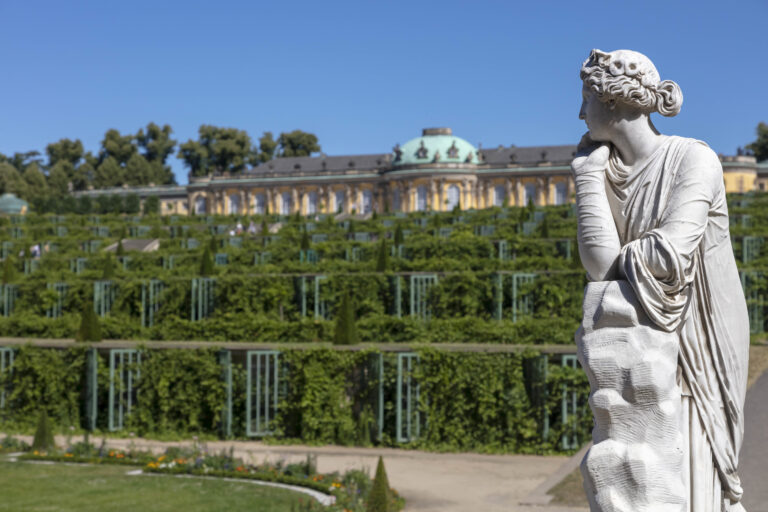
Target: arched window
x=201, y=205
x=421, y=198
x=453, y=197
x=338, y=197
x=286, y=205
x=499, y=194
x=312, y=203
x=259, y=204
x=396, y=200
x=234, y=203
x=367, y=201
x=561, y=193
x=530, y=194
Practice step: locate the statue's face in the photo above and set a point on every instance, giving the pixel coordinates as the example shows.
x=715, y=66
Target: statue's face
x=598, y=115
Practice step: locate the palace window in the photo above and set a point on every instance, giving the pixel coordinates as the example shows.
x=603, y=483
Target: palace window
x=560, y=193
x=530, y=194
x=367, y=201
x=286, y=205
x=397, y=201
x=338, y=197
x=312, y=203
x=499, y=195
x=234, y=204
x=453, y=197
x=421, y=198
x=259, y=204
x=201, y=205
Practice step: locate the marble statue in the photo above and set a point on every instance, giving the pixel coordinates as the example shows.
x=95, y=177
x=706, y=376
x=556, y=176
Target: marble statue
x=665, y=334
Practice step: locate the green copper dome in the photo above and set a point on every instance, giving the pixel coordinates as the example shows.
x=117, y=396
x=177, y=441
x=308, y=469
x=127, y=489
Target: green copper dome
x=10, y=204
x=436, y=145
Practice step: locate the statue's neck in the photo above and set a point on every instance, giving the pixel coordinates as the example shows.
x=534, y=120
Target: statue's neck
x=636, y=140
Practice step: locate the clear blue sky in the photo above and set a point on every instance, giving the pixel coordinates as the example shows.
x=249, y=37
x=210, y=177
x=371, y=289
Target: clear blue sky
x=365, y=75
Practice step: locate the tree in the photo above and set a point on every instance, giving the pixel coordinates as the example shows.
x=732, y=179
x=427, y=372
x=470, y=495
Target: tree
x=108, y=267
x=379, y=497
x=760, y=146
x=382, y=256
x=35, y=180
x=43, y=440
x=151, y=205
x=84, y=205
x=108, y=174
x=21, y=160
x=304, y=243
x=89, y=329
x=297, y=143
x=399, y=237
x=267, y=147
x=120, y=250
x=345, y=331
x=119, y=147
x=217, y=150
x=58, y=178
x=132, y=204
x=64, y=150
x=9, y=270
x=11, y=181
x=138, y=171
x=157, y=145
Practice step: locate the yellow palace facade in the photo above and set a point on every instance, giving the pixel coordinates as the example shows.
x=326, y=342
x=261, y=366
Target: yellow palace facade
x=437, y=172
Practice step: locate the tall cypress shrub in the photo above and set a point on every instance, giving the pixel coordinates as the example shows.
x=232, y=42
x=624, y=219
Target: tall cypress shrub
x=89, y=329
x=43, y=440
x=206, y=263
x=382, y=256
x=378, y=499
x=345, y=331
x=9, y=271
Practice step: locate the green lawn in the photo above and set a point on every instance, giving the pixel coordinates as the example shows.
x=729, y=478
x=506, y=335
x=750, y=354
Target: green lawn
x=37, y=487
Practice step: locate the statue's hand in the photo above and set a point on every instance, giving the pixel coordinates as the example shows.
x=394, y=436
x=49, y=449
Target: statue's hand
x=591, y=157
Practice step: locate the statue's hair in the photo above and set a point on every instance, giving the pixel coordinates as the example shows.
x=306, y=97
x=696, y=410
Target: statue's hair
x=631, y=78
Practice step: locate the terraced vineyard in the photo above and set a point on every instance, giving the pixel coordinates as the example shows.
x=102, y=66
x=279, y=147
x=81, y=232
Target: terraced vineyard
x=466, y=318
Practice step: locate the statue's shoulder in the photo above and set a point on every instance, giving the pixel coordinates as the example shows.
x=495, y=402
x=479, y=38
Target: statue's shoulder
x=697, y=157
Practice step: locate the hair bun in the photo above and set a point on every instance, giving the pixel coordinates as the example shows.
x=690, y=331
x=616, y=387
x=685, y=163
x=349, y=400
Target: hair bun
x=669, y=98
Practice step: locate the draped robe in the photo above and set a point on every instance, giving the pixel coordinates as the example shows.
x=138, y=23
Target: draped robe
x=672, y=220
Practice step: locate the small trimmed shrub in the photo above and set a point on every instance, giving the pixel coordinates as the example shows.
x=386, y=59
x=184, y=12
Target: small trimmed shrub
x=43, y=440
x=378, y=499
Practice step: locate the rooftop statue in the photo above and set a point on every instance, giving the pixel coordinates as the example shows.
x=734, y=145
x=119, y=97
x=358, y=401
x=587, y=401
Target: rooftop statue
x=665, y=334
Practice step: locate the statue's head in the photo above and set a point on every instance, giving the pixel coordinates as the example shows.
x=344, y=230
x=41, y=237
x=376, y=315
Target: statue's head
x=629, y=80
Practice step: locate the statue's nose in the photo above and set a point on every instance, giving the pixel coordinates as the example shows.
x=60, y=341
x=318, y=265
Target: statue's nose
x=582, y=113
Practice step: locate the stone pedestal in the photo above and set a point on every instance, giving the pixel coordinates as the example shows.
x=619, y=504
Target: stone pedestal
x=636, y=462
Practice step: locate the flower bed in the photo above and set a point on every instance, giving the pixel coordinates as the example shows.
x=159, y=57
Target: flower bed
x=350, y=489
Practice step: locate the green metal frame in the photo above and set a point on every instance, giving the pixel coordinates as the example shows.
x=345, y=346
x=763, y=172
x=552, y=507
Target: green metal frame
x=77, y=265
x=8, y=295
x=6, y=249
x=150, y=301
x=521, y=304
x=202, y=297
x=398, y=293
x=353, y=253
x=319, y=305
x=263, y=374
x=750, y=248
x=103, y=297
x=169, y=261
x=124, y=369
x=408, y=415
x=6, y=365
x=308, y=256
x=56, y=310
x=750, y=283
x=30, y=266
x=569, y=406
x=221, y=258
x=419, y=294
x=225, y=360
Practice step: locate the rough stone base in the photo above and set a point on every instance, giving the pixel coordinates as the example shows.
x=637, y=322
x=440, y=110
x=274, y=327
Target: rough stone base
x=635, y=464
